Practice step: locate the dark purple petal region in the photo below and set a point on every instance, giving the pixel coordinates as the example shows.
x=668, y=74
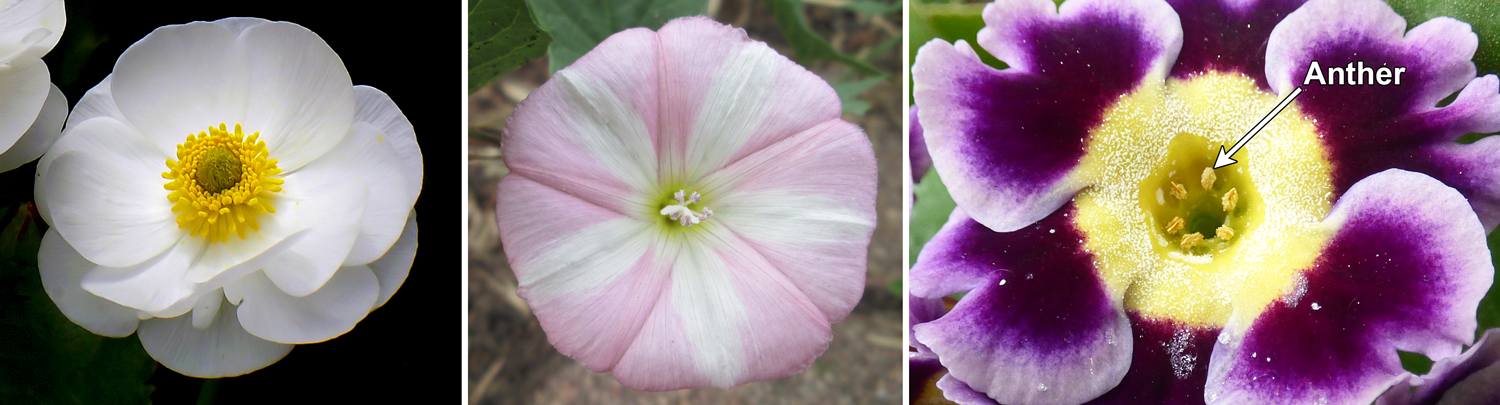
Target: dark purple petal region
x=1005, y=141
x=1038, y=324
x=1228, y=36
x=1404, y=271
x=1368, y=128
x=1168, y=366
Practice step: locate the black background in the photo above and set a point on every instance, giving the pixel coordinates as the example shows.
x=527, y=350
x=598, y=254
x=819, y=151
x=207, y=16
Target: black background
x=408, y=350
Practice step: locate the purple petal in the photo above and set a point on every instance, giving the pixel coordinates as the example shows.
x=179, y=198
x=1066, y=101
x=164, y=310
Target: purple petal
x=923, y=310
x=1446, y=375
x=920, y=160
x=1006, y=142
x=1039, y=325
x=1227, y=36
x=924, y=371
x=1168, y=367
x=1370, y=128
x=959, y=392
x=1404, y=271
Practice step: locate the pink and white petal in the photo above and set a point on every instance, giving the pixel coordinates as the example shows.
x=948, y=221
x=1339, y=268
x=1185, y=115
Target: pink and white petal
x=1367, y=129
x=1228, y=35
x=267, y=312
x=391, y=270
x=1038, y=325
x=376, y=108
x=42, y=134
x=24, y=88
x=591, y=276
x=1169, y=364
x=725, y=96
x=1007, y=142
x=181, y=79
x=727, y=318
x=107, y=198
x=1404, y=270
x=591, y=130
x=30, y=28
x=807, y=204
x=300, y=97
x=62, y=271
x=363, y=157
x=223, y=349
x=332, y=214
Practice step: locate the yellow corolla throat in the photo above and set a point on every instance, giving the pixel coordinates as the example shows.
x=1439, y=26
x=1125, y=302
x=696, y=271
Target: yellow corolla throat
x=220, y=182
x=1192, y=244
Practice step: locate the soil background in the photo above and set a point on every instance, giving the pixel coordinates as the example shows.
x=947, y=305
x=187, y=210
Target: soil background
x=510, y=361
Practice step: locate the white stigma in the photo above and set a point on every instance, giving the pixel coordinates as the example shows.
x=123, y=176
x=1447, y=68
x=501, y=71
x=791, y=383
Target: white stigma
x=684, y=215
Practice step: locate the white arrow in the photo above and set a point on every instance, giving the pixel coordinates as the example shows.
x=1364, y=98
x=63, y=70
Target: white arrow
x=1224, y=160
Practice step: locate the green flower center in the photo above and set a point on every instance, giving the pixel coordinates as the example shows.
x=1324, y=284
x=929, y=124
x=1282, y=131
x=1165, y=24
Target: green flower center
x=218, y=170
x=1199, y=209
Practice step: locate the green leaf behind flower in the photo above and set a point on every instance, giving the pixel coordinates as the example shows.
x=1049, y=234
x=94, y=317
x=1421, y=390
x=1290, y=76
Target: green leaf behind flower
x=577, y=26
x=849, y=93
x=808, y=45
x=929, y=212
x=502, y=36
x=47, y=358
x=1483, y=17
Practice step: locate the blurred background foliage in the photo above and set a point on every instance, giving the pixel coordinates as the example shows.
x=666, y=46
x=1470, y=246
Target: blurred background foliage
x=953, y=20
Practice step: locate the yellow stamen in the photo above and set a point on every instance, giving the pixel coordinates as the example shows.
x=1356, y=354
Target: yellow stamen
x=1229, y=199
x=221, y=175
x=1224, y=232
x=1208, y=178
x=1176, y=225
x=1192, y=239
x=1179, y=191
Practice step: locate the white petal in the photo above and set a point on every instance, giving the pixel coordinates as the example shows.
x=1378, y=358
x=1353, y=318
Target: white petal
x=301, y=98
x=30, y=27
x=181, y=79
x=152, y=286
x=376, y=108
x=325, y=314
x=62, y=271
x=363, y=157
x=223, y=349
x=207, y=309
x=393, y=268
x=23, y=89
x=106, y=197
x=332, y=215
x=95, y=103
x=42, y=134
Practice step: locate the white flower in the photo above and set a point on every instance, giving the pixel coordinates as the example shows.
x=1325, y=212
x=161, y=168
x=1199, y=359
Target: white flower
x=31, y=108
x=225, y=193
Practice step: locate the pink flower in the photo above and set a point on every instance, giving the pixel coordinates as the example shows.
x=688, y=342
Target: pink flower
x=685, y=208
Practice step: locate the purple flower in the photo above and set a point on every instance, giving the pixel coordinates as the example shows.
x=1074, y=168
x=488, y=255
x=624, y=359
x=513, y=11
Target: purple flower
x=1107, y=261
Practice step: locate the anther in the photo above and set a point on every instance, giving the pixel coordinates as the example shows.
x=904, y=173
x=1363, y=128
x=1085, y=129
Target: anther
x=1230, y=198
x=1208, y=178
x=1224, y=232
x=1192, y=239
x=1176, y=225
x=681, y=213
x=1179, y=191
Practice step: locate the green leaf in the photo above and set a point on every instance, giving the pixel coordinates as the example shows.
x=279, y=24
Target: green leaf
x=1480, y=14
x=47, y=358
x=502, y=36
x=849, y=94
x=869, y=7
x=577, y=26
x=929, y=212
x=808, y=45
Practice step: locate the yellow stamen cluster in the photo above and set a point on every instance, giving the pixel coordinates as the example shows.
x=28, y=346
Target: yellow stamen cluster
x=220, y=181
x=1230, y=198
x=1192, y=239
x=1208, y=178
x=1179, y=191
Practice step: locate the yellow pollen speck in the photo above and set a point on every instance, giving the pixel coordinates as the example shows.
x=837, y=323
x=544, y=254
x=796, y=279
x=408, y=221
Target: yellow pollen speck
x=1176, y=225
x=1208, y=178
x=1179, y=191
x=220, y=182
x=1230, y=198
x=1192, y=239
x=1224, y=233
